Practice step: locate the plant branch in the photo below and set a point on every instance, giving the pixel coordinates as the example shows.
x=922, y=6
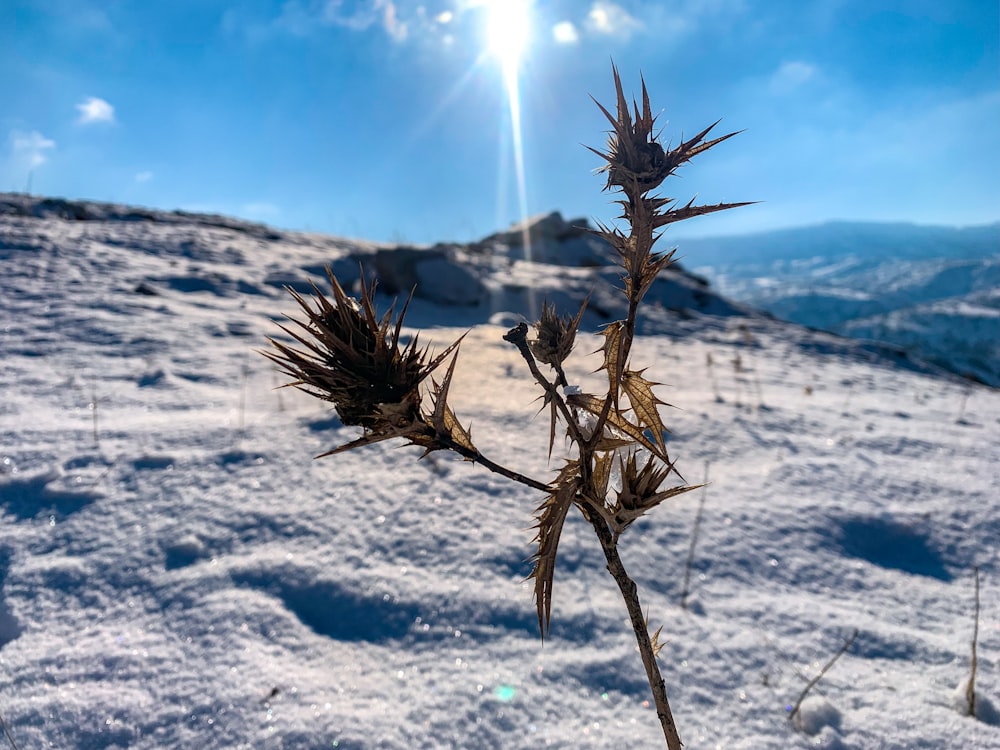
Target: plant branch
x=476, y=457
x=823, y=671
x=629, y=593
x=518, y=336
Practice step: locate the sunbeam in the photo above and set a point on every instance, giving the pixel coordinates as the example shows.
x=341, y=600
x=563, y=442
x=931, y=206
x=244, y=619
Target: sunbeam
x=508, y=27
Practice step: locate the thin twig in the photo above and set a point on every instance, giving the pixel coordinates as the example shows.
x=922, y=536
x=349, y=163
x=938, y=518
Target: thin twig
x=7, y=734
x=518, y=336
x=476, y=457
x=244, y=373
x=694, y=538
x=823, y=671
x=970, y=690
x=93, y=411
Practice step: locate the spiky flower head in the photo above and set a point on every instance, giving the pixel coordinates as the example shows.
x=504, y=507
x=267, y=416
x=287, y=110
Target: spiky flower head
x=636, y=161
x=641, y=490
x=354, y=359
x=555, y=335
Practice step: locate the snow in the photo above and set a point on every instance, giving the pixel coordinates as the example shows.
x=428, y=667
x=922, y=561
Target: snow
x=177, y=571
x=816, y=714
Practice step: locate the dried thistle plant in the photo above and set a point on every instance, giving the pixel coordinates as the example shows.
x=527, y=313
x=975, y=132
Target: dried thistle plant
x=617, y=467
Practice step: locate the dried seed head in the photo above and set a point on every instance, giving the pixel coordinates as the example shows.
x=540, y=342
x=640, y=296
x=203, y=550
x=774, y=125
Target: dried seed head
x=355, y=360
x=636, y=161
x=554, y=336
x=640, y=490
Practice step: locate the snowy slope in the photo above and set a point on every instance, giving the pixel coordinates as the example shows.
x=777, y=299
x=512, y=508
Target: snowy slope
x=176, y=570
x=931, y=290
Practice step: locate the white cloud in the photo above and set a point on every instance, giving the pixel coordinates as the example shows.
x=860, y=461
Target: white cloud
x=790, y=75
x=92, y=109
x=394, y=27
x=302, y=17
x=30, y=150
x=610, y=19
x=144, y=176
x=565, y=32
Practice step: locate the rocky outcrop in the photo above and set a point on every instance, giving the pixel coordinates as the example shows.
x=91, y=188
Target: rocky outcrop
x=544, y=259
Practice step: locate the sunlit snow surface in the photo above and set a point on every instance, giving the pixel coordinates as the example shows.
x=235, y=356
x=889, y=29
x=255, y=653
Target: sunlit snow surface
x=193, y=578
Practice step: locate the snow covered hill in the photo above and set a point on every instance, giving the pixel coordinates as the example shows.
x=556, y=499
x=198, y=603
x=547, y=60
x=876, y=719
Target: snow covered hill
x=177, y=571
x=931, y=290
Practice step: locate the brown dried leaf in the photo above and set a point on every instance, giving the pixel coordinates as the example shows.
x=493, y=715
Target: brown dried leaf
x=602, y=474
x=611, y=443
x=443, y=419
x=640, y=491
x=655, y=640
x=551, y=515
x=623, y=517
x=616, y=421
x=441, y=357
x=693, y=147
x=689, y=211
x=644, y=404
x=547, y=400
x=612, y=353
x=369, y=438
x=553, y=418
x=618, y=240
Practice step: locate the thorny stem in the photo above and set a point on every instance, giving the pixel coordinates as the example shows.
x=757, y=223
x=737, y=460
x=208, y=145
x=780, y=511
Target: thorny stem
x=642, y=232
x=624, y=349
x=631, y=596
x=476, y=457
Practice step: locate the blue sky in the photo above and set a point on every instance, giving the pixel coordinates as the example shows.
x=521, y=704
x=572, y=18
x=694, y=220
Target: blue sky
x=390, y=120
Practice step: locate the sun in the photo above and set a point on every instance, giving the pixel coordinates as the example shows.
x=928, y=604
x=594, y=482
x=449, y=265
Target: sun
x=508, y=25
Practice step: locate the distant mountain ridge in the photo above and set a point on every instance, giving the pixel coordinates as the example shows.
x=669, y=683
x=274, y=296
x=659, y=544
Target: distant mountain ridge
x=843, y=239
x=932, y=290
